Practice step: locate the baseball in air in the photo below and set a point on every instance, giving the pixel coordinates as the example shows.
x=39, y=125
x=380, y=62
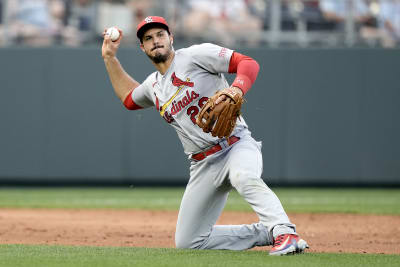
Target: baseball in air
x=113, y=33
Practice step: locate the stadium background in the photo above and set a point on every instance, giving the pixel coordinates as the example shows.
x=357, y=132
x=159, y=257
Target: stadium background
x=325, y=103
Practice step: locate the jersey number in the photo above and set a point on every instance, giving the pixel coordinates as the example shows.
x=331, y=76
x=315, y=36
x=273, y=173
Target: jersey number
x=194, y=110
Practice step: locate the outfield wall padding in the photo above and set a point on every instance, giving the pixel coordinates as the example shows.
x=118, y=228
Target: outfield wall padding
x=325, y=116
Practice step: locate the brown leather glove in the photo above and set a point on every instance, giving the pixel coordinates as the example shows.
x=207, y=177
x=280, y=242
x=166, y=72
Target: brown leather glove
x=220, y=119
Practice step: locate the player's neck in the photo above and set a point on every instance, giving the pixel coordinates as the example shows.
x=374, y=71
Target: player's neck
x=162, y=67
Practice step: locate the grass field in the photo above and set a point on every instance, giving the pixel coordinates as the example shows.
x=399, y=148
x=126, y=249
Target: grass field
x=373, y=201
x=46, y=256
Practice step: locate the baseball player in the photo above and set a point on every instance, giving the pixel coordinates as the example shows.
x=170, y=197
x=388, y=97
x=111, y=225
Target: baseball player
x=189, y=91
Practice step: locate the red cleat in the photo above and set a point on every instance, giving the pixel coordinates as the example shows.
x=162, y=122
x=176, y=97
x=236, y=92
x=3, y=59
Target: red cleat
x=288, y=244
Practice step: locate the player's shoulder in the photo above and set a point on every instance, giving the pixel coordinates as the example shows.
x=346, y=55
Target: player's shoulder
x=198, y=48
x=203, y=51
x=150, y=79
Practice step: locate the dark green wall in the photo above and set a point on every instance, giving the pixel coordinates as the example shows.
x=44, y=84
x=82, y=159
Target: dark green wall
x=325, y=116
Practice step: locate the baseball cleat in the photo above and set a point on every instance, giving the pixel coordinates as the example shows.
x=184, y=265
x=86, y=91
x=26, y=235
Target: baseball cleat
x=288, y=244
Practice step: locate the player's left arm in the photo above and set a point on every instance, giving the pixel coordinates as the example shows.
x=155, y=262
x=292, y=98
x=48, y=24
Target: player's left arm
x=246, y=69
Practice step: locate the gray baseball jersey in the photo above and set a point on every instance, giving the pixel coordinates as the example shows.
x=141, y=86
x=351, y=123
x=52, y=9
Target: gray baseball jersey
x=195, y=75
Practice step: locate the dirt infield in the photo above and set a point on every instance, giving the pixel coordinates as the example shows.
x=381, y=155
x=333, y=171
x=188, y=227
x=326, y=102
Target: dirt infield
x=324, y=232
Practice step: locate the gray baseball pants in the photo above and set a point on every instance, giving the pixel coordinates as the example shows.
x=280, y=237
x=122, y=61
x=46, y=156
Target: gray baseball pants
x=237, y=166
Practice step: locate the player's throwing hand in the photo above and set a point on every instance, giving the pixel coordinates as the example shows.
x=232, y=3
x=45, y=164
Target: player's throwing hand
x=109, y=48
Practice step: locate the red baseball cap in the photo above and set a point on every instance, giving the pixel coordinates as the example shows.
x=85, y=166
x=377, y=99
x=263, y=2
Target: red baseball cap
x=149, y=22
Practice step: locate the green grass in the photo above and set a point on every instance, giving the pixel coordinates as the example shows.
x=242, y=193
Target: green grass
x=378, y=201
x=317, y=200
x=49, y=256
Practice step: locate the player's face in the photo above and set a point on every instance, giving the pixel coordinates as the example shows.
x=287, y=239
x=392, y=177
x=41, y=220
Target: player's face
x=157, y=44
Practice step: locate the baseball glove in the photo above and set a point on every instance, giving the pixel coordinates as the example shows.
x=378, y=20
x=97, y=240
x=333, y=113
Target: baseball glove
x=220, y=119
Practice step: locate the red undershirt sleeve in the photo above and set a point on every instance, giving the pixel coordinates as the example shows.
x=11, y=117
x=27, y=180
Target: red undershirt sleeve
x=246, y=70
x=129, y=104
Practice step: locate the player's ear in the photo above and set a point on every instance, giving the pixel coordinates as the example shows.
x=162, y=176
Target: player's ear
x=142, y=47
x=171, y=38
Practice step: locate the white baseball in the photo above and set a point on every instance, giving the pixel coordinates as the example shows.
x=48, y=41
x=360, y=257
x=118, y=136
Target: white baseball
x=113, y=33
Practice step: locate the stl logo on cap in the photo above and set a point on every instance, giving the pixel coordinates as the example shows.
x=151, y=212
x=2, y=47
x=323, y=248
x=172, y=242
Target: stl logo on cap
x=148, y=19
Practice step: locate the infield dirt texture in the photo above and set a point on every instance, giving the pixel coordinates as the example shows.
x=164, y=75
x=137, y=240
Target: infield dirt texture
x=324, y=232
x=355, y=221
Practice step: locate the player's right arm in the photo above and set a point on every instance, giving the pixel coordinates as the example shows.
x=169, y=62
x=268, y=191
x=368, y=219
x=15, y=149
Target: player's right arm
x=121, y=81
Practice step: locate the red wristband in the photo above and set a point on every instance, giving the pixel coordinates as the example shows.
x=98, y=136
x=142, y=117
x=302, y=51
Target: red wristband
x=246, y=70
x=243, y=82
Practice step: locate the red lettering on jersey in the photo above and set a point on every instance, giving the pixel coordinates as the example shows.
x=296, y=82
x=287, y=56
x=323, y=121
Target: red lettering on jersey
x=193, y=95
x=183, y=103
x=167, y=117
x=180, y=105
x=178, y=82
x=223, y=51
x=173, y=109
